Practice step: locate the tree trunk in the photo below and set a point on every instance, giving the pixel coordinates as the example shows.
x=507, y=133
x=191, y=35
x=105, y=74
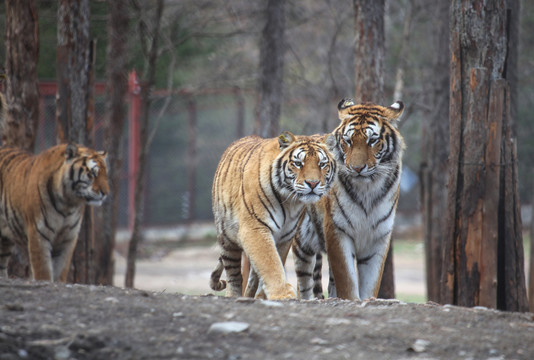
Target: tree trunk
x=147, y=83
x=116, y=112
x=272, y=51
x=435, y=152
x=19, y=126
x=22, y=92
x=191, y=159
x=369, y=54
x=369, y=50
x=483, y=254
x=73, y=74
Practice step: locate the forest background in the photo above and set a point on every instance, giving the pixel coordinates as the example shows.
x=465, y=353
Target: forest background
x=208, y=61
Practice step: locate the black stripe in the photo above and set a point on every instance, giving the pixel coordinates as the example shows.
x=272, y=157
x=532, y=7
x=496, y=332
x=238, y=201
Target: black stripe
x=303, y=273
x=390, y=181
x=276, y=194
x=43, y=235
x=52, y=197
x=385, y=217
x=300, y=257
x=365, y=260
x=230, y=259
x=351, y=191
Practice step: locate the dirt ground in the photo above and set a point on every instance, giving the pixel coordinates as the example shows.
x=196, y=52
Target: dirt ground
x=55, y=321
x=174, y=315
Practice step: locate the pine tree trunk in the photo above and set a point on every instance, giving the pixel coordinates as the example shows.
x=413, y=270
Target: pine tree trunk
x=72, y=111
x=435, y=152
x=147, y=83
x=483, y=254
x=116, y=112
x=22, y=93
x=272, y=51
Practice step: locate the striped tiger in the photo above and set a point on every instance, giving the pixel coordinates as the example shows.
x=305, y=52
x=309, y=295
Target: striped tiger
x=354, y=222
x=259, y=191
x=42, y=201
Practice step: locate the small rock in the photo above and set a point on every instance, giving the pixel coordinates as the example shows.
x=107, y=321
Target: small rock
x=419, y=346
x=111, y=299
x=337, y=321
x=271, y=303
x=318, y=341
x=228, y=327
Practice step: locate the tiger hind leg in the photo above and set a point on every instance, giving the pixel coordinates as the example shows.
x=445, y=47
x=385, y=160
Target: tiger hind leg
x=6, y=247
x=304, y=266
x=318, y=276
x=231, y=258
x=215, y=280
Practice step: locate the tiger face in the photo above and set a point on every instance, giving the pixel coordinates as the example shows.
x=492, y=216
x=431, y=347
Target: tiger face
x=87, y=174
x=367, y=139
x=306, y=169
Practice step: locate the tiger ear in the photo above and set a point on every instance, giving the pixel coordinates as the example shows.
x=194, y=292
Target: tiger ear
x=103, y=154
x=330, y=141
x=71, y=151
x=343, y=108
x=285, y=139
x=393, y=112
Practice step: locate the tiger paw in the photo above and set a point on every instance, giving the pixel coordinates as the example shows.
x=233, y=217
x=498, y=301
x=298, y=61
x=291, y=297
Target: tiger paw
x=282, y=293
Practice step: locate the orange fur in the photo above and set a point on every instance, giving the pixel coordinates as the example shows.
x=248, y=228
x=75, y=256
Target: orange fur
x=259, y=191
x=354, y=222
x=42, y=200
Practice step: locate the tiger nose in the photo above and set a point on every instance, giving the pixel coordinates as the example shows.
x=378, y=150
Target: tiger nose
x=358, y=169
x=312, y=183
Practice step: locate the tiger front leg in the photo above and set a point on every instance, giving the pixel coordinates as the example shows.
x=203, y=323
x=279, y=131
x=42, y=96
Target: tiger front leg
x=40, y=253
x=340, y=251
x=61, y=259
x=370, y=269
x=260, y=248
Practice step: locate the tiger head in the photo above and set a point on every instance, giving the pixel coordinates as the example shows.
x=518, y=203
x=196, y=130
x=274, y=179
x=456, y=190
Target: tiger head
x=86, y=173
x=367, y=142
x=305, y=167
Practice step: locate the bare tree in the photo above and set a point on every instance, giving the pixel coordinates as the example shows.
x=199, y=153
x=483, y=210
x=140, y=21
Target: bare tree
x=272, y=49
x=72, y=111
x=483, y=261
x=435, y=151
x=369, y=79
x=22, y=93
x=149, y=33
x=116, y=112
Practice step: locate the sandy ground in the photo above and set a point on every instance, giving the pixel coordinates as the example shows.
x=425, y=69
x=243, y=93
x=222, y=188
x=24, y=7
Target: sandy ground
x=187, y=270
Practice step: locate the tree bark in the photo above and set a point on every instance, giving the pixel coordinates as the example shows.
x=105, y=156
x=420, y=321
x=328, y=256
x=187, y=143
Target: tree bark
x=147, y=83
x=22, y=92
x=435, y=152
x=72, y=110
x=369, y=50
x=272, y=51
x=19, y=126
x=116, y=112
x=483, y=254
x=369, y=54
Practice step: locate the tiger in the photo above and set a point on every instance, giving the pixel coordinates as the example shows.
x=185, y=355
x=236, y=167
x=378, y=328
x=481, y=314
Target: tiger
x=259, y=190
x=353, y=224
x=42, y=202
